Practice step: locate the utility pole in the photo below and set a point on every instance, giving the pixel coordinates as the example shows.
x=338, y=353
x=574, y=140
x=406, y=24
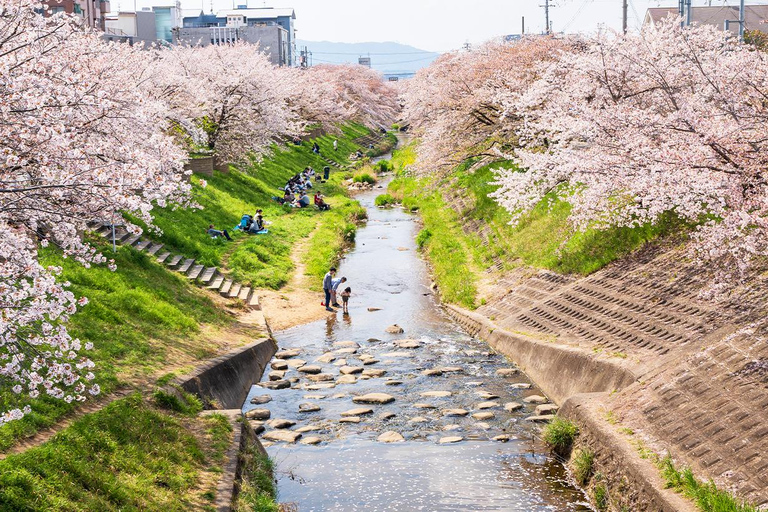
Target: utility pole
x=546, y=16
x=741, y=20
x=624, y=17
x=523, y=32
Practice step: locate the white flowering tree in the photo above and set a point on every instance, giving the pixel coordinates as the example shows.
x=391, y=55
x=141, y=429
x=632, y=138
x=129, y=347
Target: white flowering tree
x=80, y=139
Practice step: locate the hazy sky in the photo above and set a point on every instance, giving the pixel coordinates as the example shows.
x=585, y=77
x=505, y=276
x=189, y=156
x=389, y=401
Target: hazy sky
x=440, y=25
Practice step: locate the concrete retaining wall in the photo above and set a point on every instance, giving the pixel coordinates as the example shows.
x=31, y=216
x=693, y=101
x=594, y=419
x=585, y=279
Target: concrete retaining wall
x=224, y=382
x=203, y=165
x=560, y=371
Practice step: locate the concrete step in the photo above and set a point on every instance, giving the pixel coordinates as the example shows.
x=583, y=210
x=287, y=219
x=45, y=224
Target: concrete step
x=143, y=244
x=216, y=282
x=186, y=265
x=174, y=261
x=152, y=249
x=208, y=275
x=225, y=287
x=163, y=256
x=195, y=271
x=234, y=290
x=131, y=240
x=103, y=230
x=253, y=302
x=245, y=292
x=95, y=225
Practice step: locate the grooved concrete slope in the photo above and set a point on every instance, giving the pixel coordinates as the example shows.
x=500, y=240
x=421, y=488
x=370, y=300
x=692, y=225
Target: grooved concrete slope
x=702, y=391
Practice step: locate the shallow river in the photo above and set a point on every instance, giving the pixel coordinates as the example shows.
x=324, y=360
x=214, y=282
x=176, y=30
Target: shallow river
x=350, y=469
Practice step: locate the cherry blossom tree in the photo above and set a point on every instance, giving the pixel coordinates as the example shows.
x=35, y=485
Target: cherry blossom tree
x=456, y=105
x=80, y=139
x=668, y=119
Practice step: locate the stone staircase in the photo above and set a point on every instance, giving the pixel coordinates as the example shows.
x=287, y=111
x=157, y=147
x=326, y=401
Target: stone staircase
x=208, y=277
x=366, y=140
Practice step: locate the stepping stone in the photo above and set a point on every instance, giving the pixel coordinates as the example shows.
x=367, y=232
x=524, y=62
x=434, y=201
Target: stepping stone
x=418, y=419
x=503, y=438
x=374, y=309
x=257, y=427
x=436, y=394
x=276, y=375
x=450, y=428
x=545, y=418
x=432, y=372
x=374, y=398
x=322, y=385
x=296, y=363
x=535, y=399
x=287, y=354
x=339, y=395
x=314, y=397
x=487, y=405
x=351, y=419
x=483, y=415
x=342, y=351
x=486, y=395
x=450, y=439
x=311, y=440
x=452, y=369
x=364, y=357
x=279, y=423
x=520, y=385
x=482, y=425
x=370, y=361
x=286, y=436
x=392, y=382
x=346, y=344
x=387, y=415
x=310, y=369
x=258, y=414
x=351, y=370
x=308, y=408
x=340, y=362
x=279, y=365
x=512, y=406
x=545, y=409
x=373, y=340
x=309, y=428
x=408, y=344
x=276, y=384
x=424, y=406
x=397, y=354
x=346, y=379
x=359, y=411
x=506, y=372
x=320, y=377
x=474, y=383
x=261, y=399
x=293, y=380
x=394, y=329
x=390, y=437
x=374, y=372
x=326, y=358
x=455, y=412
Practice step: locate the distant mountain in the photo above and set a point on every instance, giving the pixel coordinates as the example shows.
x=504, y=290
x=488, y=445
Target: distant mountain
x=388, y=57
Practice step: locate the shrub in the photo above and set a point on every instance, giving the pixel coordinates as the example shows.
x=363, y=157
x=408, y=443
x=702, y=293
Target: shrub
x=395, y=126
x=181, y=402
x=364, y=178
x=384, y=166
x=423, y=237
x=600, y=495
x=385, y=200
x=581, y=464
x=560, y=435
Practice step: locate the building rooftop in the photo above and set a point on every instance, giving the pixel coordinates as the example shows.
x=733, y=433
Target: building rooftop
x=261, y=13
x=754, y=15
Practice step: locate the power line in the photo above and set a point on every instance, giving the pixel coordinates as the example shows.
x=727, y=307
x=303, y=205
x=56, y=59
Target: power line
x=371, y=53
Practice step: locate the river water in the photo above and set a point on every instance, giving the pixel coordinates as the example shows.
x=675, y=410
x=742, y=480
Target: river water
x=350, y=469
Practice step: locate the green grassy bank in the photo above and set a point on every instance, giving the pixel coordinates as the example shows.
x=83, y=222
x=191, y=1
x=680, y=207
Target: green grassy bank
x=452, y=206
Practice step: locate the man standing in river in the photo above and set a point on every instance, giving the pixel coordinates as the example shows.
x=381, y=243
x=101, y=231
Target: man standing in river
x=327, y=287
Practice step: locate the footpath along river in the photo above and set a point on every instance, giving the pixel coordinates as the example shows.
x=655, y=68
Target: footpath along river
x=444, y=384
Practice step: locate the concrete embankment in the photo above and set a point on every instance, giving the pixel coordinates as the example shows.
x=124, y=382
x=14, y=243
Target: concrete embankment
x=643, y=364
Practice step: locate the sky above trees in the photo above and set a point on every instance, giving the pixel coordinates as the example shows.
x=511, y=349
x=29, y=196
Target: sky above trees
x=441, y=25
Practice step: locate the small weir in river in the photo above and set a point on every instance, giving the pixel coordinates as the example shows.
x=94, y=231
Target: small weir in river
x=445, y=384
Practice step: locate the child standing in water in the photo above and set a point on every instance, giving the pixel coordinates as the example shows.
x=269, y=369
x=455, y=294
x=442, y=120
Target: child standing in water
x=345, y=299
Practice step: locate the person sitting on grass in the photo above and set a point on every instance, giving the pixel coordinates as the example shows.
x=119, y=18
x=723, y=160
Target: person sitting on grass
x=215, y=233
x=245, y=222
x=345, y=299
x=303, y=201
x=320, y=202
x=335, y=286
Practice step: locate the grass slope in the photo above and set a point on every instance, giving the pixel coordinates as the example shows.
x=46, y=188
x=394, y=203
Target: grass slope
x=543, y=239
x=128, y=456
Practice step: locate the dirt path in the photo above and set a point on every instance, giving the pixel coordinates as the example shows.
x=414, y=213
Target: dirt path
x=294, y=304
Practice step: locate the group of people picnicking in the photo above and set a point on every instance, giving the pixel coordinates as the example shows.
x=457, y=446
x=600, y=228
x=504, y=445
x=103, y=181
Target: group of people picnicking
x=254, y=224
x=295, y=192
x=330, y=287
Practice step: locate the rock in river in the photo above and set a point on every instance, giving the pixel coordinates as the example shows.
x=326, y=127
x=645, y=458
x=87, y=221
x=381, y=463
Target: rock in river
x=545, y=418
x=346, y=344
x=374, y=372
x=326, y=358
x=450, y=439
x=535, y=399
x=408, y=344
x=311, y=440
x=286, y=436
x=545, y=409
x=374, y=398
x=501, y=438
x=275, y=384
x=506, y=372
x=486, y=415
x=296, y=363
x=487, y=405
x=512, y=406
x=436, y=394
x=432, y=372
x=276, y=375
x=258, y=414
x=261, y=399
x=279, y=423
x=350, y=370
x=320, y=377
x=346, y=379
x=310, y=368
x=455, y=412
x=359, y=411
x=390, y=437
x=287, y=354
x=279, y=365
x=351, y=419
x=308, y=408
x=395, y=329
